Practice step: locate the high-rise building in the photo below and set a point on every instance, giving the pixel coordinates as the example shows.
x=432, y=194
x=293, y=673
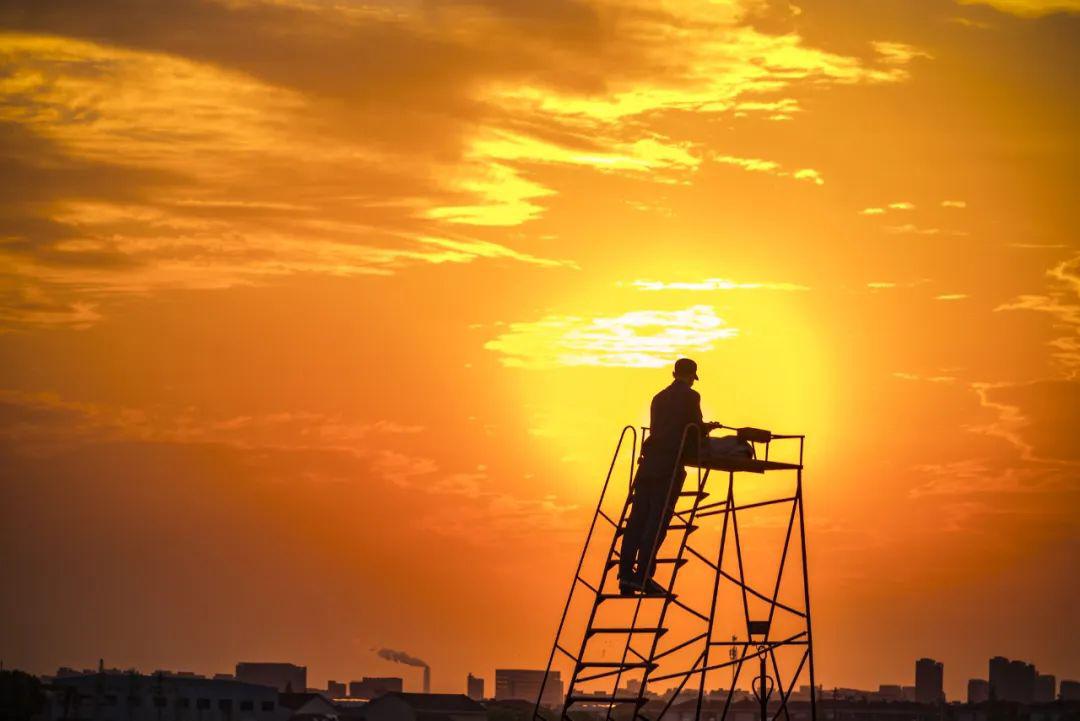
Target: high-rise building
x=1045, y=688
x=929, y=681
x=1012, y=680
x=1069, y=690
x=1022, y=681
x=282, y=676
x=335, y=689
x=474, y=688
x=371, y=687
x=999, y=671
x=978, y=690
x=525, y=685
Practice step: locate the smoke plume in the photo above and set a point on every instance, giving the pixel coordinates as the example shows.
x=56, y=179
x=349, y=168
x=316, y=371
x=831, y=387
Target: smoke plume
x=401, y=657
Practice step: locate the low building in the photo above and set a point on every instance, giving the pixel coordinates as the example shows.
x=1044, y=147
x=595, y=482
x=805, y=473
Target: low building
x=1069, y=691
x=803, y=693
x=424, y=707
x=130, y=696
x=282, y=676
x=351, y=709
x=744, y=710
x=1045, y=688
x=372, y=687
x=525, y=684
x=978, y=691
x=518, y=710
x=308, y=706
x=336, y=689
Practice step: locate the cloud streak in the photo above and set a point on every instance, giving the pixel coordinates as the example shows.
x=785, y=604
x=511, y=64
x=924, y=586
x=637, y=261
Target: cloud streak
x=1062, y=303
x=208, y=164
x=1029, y=8
x=714, y=284
x=757, y=165
x=635, y=339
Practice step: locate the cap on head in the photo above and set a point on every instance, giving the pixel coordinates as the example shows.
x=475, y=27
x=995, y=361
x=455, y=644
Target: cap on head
x=685, y=367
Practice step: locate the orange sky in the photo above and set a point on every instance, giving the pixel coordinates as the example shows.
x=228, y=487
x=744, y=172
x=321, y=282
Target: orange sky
x=321, y=318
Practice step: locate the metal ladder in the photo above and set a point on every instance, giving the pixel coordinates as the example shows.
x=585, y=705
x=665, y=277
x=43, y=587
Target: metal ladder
x=684, y=520
x=586, y=670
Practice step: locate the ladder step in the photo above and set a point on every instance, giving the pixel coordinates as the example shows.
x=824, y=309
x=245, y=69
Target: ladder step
x=694, y=494
x=658, y=630
x=606, y=699
x=680, y=562
x=673, y=527
x=616, y=664
x=636, y=596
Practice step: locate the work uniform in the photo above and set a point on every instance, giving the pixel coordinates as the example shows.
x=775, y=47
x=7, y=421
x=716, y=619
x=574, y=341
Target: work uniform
x=660, y=476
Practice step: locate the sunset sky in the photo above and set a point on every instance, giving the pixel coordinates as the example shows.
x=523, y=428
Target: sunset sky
x=319, y=319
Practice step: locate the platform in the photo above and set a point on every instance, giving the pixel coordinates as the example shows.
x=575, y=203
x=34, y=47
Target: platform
x=739, y=465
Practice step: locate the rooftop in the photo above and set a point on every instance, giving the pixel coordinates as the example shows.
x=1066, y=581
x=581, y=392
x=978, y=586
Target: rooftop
x=437, y=702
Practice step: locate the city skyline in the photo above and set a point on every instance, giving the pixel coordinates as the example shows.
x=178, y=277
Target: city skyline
x=130, y=697
x=320, y=319
x=401, y=683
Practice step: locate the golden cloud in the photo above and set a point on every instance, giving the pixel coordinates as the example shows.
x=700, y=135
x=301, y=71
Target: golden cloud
x=758, y=165
x=713, y=284
x=507, y=194
x=635, y=339
x=106, y=103
x=911, y=228
x=1061, y=302
x=205, y=165
x=899, y=53
x=1029, y=8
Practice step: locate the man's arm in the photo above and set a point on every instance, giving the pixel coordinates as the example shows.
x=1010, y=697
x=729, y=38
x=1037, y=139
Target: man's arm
x=695, y=410
x=695, y=416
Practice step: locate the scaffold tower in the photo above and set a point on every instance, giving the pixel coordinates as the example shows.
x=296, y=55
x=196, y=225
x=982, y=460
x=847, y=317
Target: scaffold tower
x=733, y=603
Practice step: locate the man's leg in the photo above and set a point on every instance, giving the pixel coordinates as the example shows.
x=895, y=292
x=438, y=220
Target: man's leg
x=634, y=535
x=663, y=508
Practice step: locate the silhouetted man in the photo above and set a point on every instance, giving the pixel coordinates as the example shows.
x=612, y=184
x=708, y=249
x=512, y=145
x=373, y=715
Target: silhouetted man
x=660, y=476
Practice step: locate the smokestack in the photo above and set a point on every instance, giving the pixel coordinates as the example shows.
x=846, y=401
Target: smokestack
x=403, y=658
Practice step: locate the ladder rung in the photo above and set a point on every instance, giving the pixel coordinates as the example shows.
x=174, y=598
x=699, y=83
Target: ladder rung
x=616, y=664
x=606, y=699
x=658, y=630
x=673, y=527
x=694, y=494
x=677, y=561
x=635, y=596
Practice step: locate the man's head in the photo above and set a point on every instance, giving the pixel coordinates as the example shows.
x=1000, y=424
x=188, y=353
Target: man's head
x=685, y=371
